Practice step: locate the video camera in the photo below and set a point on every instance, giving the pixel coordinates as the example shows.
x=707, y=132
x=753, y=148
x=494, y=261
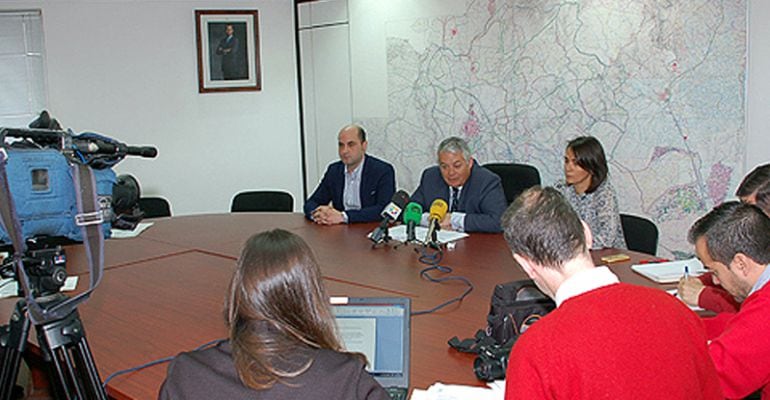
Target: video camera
x=492, y=362
x=42, y=182
x=55, y=183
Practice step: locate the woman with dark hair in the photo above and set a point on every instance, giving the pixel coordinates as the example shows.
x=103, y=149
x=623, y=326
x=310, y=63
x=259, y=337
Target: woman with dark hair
x=755, y=188
x=282, y=335
x=587, y=188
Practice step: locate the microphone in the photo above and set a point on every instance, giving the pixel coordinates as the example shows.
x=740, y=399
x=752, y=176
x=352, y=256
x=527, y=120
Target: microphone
x=391, y=212
x=437, y=212
x=96, y=146
x=412, y=217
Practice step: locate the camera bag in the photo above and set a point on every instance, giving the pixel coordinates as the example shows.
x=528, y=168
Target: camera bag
x=42, y=185
x=514, y=307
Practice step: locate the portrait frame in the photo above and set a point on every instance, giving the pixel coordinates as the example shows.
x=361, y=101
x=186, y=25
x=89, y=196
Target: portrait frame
x=228, y=50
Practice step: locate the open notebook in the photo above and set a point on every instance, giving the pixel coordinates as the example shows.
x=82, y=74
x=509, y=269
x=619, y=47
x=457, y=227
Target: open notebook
x=378, y=328
x=671, y=271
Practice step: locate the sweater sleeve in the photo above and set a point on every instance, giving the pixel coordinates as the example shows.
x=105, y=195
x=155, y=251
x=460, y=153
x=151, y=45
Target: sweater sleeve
x=718, y=300
x=368, y=389
x=607, y=228
x=741, y=351
x=523, y=379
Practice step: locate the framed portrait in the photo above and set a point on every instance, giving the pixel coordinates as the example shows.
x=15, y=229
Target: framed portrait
x=228, y=50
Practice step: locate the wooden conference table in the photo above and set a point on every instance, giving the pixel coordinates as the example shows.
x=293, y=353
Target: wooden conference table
x=163, y=292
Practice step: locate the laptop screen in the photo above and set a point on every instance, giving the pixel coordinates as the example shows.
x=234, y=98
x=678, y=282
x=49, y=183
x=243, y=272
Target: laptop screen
x=378, y=328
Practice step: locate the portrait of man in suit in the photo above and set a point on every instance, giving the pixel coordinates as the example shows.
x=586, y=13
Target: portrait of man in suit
x=228, y=58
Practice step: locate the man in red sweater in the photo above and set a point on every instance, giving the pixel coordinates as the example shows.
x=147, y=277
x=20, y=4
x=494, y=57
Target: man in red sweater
x=605, y=339
x=733, y=242
x=701, y=290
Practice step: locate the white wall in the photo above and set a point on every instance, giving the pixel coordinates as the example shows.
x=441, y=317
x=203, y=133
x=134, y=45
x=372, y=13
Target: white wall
x=326, y=92
x=758, y=87
x=127, y=69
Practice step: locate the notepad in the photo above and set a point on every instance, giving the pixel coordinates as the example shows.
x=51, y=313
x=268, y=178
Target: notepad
x=671, y=271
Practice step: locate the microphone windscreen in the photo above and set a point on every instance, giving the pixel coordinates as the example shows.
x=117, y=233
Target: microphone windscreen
x=438, y=209
x=396, y=205
x=413, y=213
x=400, y=198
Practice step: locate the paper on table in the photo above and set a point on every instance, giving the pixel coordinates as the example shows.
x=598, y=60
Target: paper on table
x=669, y=272
x=126, y=234
x=10, y=288
x=674, y=293
x=440, y=391
x=398, y=233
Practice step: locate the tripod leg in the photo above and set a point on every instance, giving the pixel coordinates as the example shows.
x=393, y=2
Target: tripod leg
x=64, y=342
x=13, y=341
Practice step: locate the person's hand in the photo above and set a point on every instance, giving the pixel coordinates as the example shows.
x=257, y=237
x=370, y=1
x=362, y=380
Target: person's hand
x=333, y=217
x=320, y=213
x=327, y=215
x=446, y=222
x=689, y=290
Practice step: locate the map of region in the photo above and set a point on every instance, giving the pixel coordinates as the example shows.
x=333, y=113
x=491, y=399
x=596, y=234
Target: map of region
x=660, y=83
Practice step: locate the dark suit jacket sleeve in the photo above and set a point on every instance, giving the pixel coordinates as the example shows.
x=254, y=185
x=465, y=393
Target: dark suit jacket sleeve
x=322, y=194
x=385, y=178
x=419, y=194
x=492, y=207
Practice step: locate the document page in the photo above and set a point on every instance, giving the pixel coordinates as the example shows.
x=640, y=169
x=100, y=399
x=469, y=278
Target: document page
x=360, y=335
x=398, y=233
x=670, y=272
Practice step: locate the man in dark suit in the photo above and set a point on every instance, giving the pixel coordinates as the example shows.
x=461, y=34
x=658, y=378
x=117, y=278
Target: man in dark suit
x=474, y=194
x=229, y=50
x=354, y=189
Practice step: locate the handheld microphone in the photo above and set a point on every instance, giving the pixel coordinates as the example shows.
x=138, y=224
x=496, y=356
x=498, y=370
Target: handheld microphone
x=391, y=212
x=412, y=217
x=437, y=212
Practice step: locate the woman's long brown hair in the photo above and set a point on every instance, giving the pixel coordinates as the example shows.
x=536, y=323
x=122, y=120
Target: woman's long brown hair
x=275, y=304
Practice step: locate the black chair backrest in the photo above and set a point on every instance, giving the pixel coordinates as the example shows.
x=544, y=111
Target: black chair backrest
x=262, y=201
x=154, y=207
x=516, y=178
x=641, y=234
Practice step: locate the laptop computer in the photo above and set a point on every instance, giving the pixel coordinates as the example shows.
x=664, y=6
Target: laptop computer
x=379, y=328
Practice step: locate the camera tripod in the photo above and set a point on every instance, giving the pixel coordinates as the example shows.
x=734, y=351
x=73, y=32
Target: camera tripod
x=61, y=337
x=64, y=348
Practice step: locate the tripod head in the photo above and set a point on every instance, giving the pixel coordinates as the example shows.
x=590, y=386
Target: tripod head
x=45, y=269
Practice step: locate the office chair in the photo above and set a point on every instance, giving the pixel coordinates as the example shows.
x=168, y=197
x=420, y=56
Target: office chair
x=516, y=177
x=262, y=201
x=154, y=207
x=641, y=234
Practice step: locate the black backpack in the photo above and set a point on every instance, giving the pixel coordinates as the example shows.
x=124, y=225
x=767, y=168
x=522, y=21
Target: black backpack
x=515, y=306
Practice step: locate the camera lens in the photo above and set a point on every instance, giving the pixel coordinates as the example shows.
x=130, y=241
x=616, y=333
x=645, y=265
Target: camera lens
x=489, y=369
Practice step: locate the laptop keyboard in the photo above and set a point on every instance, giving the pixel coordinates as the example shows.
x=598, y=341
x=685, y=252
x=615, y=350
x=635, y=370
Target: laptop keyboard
x=396, y=393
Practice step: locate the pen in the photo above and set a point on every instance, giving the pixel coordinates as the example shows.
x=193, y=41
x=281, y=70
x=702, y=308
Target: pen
x=686, y=272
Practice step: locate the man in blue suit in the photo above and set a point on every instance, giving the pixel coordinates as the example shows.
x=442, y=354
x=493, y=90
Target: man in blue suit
x=354, y=189
x=474, y=194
